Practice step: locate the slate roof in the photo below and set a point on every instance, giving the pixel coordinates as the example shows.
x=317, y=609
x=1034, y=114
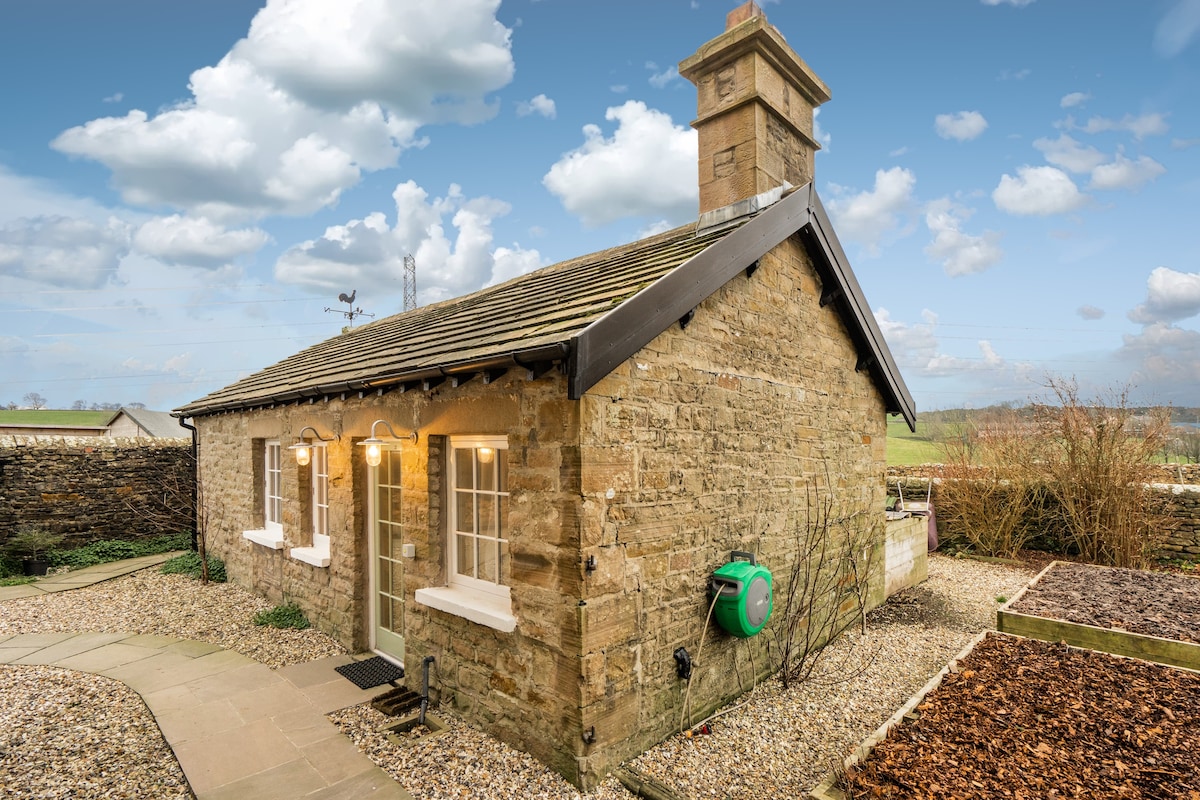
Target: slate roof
x=588, y=314
x=159, y=424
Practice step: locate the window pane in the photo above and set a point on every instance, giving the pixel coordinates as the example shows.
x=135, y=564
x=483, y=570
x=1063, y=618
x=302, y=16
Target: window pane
x=503, y=530
x=502, y=469
x=385, y=612
x=487, y=469
x=466, y=556
x=464, y=511
x=395, y=459
x=464, y=466
x=397, y=616
x=487, y=560
x=487, y=515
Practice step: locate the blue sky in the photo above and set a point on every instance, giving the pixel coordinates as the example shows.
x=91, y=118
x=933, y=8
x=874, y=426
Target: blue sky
x=186, y=186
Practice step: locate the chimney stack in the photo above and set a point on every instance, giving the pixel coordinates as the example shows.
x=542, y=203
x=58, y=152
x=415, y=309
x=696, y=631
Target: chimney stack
x=755, y=110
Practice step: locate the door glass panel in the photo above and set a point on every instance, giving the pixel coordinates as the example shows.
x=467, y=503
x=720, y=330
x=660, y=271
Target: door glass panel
x=388, y=542
x=487, y=469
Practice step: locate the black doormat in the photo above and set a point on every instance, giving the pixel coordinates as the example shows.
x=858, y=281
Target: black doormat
x=372, y=672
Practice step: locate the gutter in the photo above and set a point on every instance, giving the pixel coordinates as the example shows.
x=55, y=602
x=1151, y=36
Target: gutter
x=195, y=482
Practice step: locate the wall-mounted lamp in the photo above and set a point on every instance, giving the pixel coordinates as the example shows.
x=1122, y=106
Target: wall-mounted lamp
x=303, y=449
x=486, y=454
x=374, y=444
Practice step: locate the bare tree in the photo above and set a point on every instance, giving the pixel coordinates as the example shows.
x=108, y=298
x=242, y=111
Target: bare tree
x=34, y=400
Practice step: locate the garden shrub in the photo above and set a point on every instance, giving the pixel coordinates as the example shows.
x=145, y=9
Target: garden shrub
x=189, y=564
x=287, y=615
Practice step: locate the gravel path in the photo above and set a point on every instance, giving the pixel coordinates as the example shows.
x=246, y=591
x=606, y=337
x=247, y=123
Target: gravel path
x=777, y=744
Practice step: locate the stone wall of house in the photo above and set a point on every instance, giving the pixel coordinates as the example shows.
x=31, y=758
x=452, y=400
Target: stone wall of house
x=1179, y=503
x=521, y=686
x=90, y=488
x=710, y=440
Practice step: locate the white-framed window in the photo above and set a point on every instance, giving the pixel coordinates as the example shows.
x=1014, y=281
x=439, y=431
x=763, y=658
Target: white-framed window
x=318, y=553
x=477, y=568
x=271, y=533
x=273, y=490
x=478, y=518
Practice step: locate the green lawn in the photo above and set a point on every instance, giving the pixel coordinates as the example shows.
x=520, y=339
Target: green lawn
x=43, y=416
x=905, y=447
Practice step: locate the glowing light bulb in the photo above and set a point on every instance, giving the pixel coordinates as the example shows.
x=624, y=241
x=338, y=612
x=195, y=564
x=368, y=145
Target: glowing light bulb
x=486, y=454
x=303, y=456
x=374, y=454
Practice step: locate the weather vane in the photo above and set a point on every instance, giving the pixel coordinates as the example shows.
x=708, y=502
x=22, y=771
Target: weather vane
x=353, y=313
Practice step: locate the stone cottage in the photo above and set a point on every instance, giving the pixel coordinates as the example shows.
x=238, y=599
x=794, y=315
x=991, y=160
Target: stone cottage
x=534, y=483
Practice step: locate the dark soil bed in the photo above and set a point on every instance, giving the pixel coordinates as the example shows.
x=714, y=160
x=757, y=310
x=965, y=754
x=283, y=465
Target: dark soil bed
x=1028, y=719
x=1150, y=603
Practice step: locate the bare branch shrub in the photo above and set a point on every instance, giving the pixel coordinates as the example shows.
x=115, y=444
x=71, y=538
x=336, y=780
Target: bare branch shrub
x=827, y=588
x=1098, y=464
x=992, y=489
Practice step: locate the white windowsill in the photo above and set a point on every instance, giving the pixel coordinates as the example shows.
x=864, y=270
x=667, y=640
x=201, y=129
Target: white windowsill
x=479, y=608
x=317, y=556
x=267, y=537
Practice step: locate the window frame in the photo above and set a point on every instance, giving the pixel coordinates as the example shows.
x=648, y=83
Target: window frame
x=273, y=503
x=454, y=579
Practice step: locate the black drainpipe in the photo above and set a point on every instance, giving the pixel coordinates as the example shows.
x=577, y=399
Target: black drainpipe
x=195, y=482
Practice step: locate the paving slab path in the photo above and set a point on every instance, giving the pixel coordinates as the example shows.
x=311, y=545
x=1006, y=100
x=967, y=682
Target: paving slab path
x=238, y=728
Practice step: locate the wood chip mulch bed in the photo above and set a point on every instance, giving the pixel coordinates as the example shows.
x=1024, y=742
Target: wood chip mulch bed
x=1150, y=603
x=1028, y=719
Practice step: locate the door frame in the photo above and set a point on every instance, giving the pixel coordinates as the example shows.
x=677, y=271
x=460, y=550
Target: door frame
x=373, y=565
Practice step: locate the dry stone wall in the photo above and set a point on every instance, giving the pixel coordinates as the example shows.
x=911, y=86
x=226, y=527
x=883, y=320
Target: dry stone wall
x=89, y=488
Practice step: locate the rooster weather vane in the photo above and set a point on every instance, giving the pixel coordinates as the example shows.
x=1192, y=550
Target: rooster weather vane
x=353, y=313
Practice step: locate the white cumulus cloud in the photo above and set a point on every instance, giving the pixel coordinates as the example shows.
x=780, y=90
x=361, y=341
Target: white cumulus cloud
x=1140, y=126
x=195, y=241
x=961, y=125
x=1126, y=173
x=312, y=97
x=1170, y=296
x=63, y=251
x=1074, y=99
x=1037, y=191
x=866, y=217
x=538, y=105
x=368, y=253
x=1090, y=312
x=958, y=252
x=646, y=168
x=1069, y=154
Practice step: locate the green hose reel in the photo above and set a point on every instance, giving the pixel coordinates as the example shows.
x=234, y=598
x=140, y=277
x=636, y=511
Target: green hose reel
x=744, y=595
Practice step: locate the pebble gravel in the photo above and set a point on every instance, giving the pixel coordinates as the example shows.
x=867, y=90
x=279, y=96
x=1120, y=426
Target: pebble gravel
x=774, y=743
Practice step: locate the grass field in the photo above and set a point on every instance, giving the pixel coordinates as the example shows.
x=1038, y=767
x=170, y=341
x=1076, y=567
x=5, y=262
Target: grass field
x=43, y=416
x=905, y=447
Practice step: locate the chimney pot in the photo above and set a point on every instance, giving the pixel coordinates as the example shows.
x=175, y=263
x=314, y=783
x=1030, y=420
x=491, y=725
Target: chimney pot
x=742, y=13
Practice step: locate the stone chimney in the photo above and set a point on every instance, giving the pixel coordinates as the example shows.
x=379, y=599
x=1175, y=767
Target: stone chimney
x=755, y=110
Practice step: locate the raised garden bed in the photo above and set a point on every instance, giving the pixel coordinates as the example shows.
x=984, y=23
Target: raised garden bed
x=1021, y=718
x=1150, y=615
